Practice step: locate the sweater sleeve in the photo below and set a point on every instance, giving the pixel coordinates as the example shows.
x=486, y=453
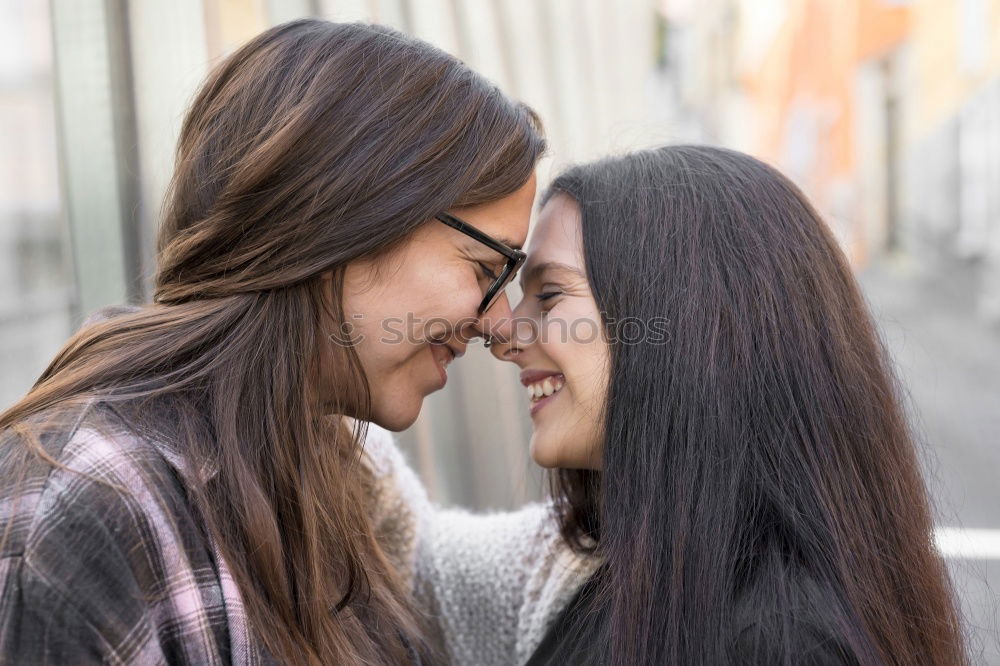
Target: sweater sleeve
x=490, y=582
x=473, y=575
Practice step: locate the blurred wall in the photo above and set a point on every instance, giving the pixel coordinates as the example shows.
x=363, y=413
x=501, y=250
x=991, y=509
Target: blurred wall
x=801, y=84
x=37, y=295
x=950, y=150
x=885, y=112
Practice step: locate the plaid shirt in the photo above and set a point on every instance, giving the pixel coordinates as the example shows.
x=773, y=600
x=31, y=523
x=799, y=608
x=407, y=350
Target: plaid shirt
x=107, y=561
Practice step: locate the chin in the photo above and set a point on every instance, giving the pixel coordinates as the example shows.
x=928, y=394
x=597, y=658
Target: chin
x=562, y=454
x=397, y=416
x=543, y=456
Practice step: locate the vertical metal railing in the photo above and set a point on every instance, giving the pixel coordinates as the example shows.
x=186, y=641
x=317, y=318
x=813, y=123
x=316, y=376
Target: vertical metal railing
x=91, y=93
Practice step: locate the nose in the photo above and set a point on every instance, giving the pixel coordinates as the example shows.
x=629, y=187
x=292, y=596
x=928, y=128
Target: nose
x=515, y=334
x=496, y=321
x=505, y=350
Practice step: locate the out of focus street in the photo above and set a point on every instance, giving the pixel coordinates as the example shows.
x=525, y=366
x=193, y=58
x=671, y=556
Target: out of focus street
x=949, y=360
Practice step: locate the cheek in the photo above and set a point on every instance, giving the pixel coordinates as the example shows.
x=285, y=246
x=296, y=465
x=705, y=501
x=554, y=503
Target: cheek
x=438, y=297
x=381, y=321
x=577, y=347
x=573, y=437
x=417, y=304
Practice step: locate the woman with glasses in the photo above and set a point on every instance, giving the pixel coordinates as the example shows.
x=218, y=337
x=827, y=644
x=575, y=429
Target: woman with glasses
x=180, y=485
x=734, y=478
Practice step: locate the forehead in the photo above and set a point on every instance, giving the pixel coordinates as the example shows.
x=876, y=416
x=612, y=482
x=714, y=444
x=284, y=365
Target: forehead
x=557, y=234
x=505, y=219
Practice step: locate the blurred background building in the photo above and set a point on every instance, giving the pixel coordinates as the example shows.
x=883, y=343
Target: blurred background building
x=887, y=113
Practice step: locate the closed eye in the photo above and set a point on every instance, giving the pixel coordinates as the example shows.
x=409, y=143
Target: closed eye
x=546, y=295
x=487, y=271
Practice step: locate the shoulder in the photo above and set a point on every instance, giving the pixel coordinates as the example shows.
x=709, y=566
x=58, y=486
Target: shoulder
x=97, y=541
x=498, y=580
x=554, y=582
x=458, y=541
x=107, y=475
x=805, y=624
x=112, y=506
x=492, y=581
x=77, y=476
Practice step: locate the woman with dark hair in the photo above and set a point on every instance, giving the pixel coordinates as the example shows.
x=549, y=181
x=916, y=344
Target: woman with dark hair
x=735, y=479
x=180, y=484
x=732, y=448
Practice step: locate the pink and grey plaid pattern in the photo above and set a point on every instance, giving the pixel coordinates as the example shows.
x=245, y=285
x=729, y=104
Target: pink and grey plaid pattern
x=106, y=560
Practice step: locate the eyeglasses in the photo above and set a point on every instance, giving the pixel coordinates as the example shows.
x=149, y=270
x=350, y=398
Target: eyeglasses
x=514, y=258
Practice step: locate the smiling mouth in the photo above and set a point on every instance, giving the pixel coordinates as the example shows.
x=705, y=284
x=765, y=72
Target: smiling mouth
x=443, y=353
x=442, y=342
x=443, y=356
x=539, y=390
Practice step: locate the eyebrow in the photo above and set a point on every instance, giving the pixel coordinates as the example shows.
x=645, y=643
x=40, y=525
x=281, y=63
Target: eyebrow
x=503, y=240
x=476, y=244
x=532, y=272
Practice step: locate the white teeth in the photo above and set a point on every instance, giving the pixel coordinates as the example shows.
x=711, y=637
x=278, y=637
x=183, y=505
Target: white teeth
x=544, y=388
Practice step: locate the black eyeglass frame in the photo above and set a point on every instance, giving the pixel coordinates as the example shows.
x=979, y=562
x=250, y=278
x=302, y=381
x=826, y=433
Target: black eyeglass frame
x=515, y=258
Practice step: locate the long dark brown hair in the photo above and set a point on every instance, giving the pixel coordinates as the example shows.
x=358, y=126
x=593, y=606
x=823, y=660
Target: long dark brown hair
x=761, y=500
x=313, y=145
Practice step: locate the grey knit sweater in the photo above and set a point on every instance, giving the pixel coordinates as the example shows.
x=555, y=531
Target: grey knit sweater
x=493, y=582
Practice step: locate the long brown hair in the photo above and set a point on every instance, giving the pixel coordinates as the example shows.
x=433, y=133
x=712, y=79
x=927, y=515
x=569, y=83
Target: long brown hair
x=311, y=146
x=760, y=500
